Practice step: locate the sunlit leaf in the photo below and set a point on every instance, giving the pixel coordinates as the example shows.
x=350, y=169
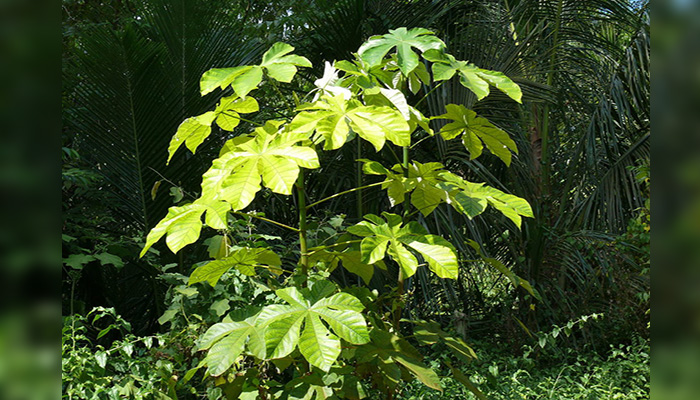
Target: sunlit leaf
x=394, y=239
x=244, y=259
x=269, y=156
x=476, y=79
x=475, y=129
x=333, y=117
x=183, y=224
x=404, y=40
x=299, y=323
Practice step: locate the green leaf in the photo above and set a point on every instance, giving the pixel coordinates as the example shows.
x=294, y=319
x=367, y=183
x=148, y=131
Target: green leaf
x=77, y=261
x=352, y=262
x=281, y=65
x=445, y=66
x=269, y=156
x=431, y=333
x=219, y=77
x=276, y=61
x=168, y=315
x=422, y=182
x=226, y=341
x=429, y=185
x=333, y=117
x=390, y=352
x=463, y=379
x=107, y=258
x=503, y=83
x=229, y=109
x=475, y=129
x=439, y=255
x=374, y=49
x=192, y=132
x=406, y=260
x=390, y=238
x=308, y=306
x=247, y=80
x=244, y=259
x=420, y=370
x=472, y=198
x=183, y=224
x=101, y=357
x=320, y=347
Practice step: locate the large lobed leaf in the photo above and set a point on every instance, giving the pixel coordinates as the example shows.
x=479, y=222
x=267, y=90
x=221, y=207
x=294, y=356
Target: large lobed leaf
x=182, y=224
x=277, y=62
x=474, y=131
x=300, y=323
x=226, y=341
x=375, y=49
x=394, y=239
x=333, y=117
x=391, y=353
x=270, y=156
x=194, y=130
x=244, y=259
x=430, y=185
x=476, y=79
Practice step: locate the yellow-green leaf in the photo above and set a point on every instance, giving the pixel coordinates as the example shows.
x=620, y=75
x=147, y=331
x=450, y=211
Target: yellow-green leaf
x=269, y=156
x=192, y=132
x=466, y=122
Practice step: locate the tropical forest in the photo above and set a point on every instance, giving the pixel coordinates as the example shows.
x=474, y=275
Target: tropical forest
x=355, y=199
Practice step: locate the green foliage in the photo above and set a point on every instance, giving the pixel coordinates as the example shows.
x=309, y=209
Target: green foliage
x=392, y=238
x=335, y=117
x=476, y=130
x=278, y=327
x=430, y=185
x=194, y=130
x=445, y=66
x=276, y=62
x=622, y=372
x=244, y=259
x=127, y=368
x=317, y=322
x=271, y=155
x=375, y=49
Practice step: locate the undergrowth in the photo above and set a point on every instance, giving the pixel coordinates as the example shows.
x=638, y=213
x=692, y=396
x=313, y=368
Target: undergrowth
x=622, y=373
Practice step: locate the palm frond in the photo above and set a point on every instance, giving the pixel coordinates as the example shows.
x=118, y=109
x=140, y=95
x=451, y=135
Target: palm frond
x=136, y=87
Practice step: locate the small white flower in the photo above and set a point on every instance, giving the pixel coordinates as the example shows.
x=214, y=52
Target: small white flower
x=327, y=84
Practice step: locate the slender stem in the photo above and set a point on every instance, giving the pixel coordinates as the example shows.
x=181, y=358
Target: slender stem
x=304, y=259
x=319, y=248
x=427, y=94
x=418, y=142
x=267, y=220
x=358, y=177
x=163, y=178
x=72, y=311
x=406, y=161
x=406, y=212
x=399, y=308
x=342, y=193
x=393, y=153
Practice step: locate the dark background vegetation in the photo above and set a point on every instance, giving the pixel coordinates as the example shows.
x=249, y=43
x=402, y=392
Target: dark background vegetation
x=130, y=71
x=130, y=76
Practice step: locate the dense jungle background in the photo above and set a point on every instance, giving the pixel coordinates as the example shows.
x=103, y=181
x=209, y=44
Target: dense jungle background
x=131, y=75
